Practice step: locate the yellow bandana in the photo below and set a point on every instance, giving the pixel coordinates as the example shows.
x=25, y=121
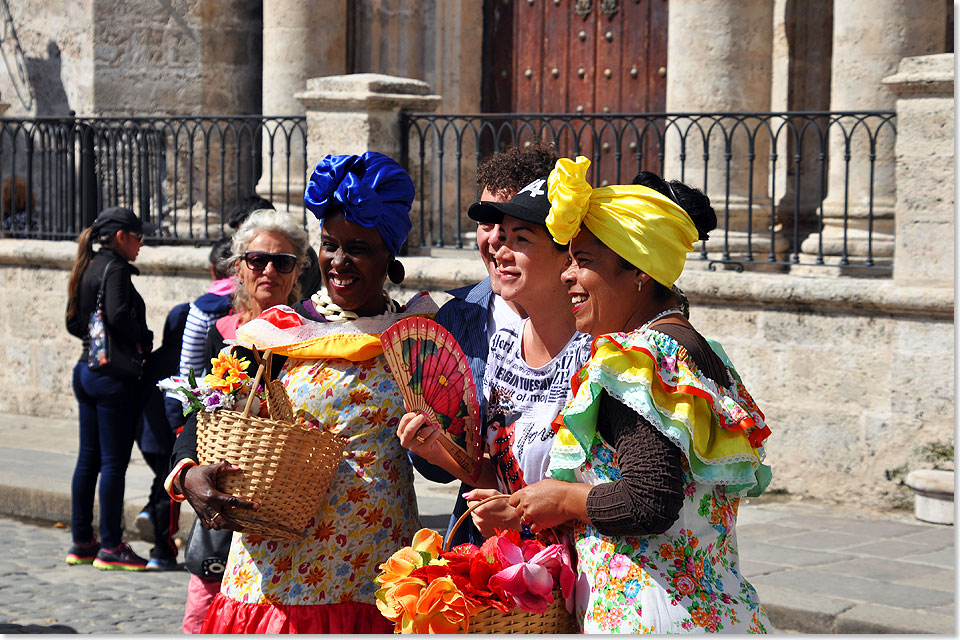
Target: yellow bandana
x=645, y=227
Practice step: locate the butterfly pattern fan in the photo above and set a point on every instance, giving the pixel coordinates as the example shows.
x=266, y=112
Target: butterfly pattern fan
x=435, y=379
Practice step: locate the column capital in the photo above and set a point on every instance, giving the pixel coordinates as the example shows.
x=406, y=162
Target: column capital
x=367, y=92
x=923, y=77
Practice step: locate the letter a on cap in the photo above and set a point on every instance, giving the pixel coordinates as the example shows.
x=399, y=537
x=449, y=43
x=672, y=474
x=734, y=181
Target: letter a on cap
x=535, y=188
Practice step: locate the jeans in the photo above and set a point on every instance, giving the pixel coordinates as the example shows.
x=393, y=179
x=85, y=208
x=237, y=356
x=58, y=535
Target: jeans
x=108, y=422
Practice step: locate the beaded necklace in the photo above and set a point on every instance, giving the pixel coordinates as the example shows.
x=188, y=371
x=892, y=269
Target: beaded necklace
x=325, y=306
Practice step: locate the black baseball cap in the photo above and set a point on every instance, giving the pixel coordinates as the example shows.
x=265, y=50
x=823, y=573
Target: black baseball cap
x=113, y=219
x=530, y=204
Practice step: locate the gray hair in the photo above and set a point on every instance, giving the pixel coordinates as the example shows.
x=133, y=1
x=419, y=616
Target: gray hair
x=265, y=221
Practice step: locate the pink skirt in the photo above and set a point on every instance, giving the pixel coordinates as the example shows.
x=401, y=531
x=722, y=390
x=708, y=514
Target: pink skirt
x=229, y=616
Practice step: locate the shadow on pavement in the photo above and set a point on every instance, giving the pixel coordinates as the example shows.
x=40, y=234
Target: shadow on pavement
x=35, y=628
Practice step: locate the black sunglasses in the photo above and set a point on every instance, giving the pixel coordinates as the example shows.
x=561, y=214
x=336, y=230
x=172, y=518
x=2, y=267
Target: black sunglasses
x=258, y=260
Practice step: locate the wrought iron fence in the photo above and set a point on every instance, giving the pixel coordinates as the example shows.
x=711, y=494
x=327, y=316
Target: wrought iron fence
x=182, y=173
x=788, y=188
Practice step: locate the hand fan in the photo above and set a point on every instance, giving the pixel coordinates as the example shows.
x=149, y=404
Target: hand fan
x=435, y=379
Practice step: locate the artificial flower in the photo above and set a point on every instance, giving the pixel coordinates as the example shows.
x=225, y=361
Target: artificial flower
x=425, y=589
x=399, y=599
x=441, y=608
x=528, y=583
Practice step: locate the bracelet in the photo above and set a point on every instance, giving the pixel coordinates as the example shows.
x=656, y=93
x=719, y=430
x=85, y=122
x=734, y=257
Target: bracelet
x=168, y=483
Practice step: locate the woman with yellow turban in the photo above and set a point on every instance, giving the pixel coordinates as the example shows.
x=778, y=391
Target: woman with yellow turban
x=660, y=439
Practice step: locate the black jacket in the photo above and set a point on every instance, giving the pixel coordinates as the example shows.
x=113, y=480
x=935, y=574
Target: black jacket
x=125, y=313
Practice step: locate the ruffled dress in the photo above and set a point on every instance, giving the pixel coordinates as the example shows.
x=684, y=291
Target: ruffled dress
x=323, y=583
x=686, y=580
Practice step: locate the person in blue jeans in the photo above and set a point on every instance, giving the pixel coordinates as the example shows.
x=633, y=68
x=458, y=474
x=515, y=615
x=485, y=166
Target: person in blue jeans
x=108, y=402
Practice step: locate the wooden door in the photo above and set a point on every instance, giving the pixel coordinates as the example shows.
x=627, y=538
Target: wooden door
x=582, y=56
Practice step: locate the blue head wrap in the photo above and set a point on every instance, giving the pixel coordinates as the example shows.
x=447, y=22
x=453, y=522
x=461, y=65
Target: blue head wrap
x=374, y=191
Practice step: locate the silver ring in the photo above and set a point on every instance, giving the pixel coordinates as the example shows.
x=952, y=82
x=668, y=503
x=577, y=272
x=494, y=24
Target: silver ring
x=214, y=516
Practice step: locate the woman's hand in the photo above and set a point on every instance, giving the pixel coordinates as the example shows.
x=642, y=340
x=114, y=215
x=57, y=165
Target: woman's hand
x=550, y=503
x=496, y=514
x=421, y=437
x=211, y=505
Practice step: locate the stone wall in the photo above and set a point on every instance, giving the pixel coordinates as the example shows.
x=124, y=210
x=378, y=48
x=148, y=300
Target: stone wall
x=187, y=57
x=853, y=378
x=57, y=56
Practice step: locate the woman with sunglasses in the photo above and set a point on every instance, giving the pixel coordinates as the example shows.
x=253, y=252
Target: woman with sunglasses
x=329, y=358
x=660, y=439
x=108, y=401
x=267, y=253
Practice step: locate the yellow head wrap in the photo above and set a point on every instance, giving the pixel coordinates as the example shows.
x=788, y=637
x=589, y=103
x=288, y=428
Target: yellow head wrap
x=645, y=227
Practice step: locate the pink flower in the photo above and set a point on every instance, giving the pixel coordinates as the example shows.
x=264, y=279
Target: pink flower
x=619, y=566
x=528, y=583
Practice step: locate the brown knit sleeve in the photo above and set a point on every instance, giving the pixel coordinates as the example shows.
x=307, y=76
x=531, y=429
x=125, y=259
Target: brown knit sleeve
x=648, y=496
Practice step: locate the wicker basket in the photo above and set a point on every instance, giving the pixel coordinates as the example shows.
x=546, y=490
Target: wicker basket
x=554, y=620
x=287, y=468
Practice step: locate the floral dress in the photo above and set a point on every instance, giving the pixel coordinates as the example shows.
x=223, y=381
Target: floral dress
x=323, y=582
x=687, y=579
x=370, y=511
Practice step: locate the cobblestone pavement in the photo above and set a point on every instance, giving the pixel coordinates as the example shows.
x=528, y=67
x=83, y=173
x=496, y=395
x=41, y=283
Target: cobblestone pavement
x=40, y=593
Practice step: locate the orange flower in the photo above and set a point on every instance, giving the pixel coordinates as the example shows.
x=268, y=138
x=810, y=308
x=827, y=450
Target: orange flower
x=427, y=540
x=378, y=417
x=400, y=565
x=441, y=609
x=359, y=396
x=700, y=617
x=356, y=494
x=666, y=551
x=314, y=577
x=399, y=600
x=359, y=561
x=684, y=583
x=283, y=565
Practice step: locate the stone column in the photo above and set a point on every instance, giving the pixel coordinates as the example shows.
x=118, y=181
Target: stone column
x=870, y=37
x=924, y=209
x=361, y=112
x=301, y=40
x=719, y=59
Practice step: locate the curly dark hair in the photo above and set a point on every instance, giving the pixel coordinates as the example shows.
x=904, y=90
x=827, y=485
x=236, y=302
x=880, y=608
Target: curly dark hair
x=505, y=173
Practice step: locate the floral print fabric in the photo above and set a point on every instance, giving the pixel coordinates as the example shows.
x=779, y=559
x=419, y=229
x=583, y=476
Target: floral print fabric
x=370, y=510
x=686, y=580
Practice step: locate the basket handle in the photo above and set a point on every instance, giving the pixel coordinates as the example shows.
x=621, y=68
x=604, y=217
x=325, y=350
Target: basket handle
x=264, y=366
x=466, y=514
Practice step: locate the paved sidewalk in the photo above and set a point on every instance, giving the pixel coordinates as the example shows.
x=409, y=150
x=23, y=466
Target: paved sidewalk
x=817, y=569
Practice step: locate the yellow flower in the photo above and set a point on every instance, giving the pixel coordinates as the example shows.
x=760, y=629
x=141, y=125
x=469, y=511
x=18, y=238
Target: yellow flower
x=227, y=373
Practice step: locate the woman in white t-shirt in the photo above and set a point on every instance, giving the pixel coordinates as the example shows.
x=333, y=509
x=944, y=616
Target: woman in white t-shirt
x=529, y=365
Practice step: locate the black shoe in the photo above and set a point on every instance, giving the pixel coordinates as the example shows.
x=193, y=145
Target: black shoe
x=122, y=558
x=144, y=526
x=162, y=564
x=83, y=553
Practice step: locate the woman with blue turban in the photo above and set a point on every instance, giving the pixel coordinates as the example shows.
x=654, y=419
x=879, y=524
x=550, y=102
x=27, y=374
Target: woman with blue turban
x=333, y=369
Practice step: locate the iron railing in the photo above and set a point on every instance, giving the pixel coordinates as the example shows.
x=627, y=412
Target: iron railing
x=182, y=173
x=788, y=188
